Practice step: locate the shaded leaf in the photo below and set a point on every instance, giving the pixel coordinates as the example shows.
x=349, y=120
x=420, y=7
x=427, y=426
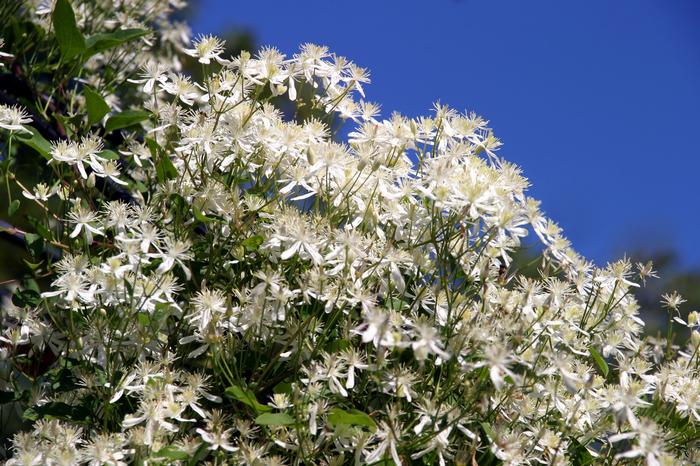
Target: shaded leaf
x=274, y=419
x=70, y=40
x=172, y=453
x=351, y=417
x=252, y=243
x=12, y=208
x=599, y=362
x=246, y=397
x=199, y=215
x=96, y=106
x=26, y=298
x=165, y=170
x=283, y=387
x=108, y=154
x=36, y=141
x=336, y=346
x=59, y=410
x=35, y=244
x=125, y=119
x=578, y=453
x=105, y=41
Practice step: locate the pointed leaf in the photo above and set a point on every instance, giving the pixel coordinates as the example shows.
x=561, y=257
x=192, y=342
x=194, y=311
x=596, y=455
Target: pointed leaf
x=12, y=208
x=252, y=243
x=599, y=362
x=105, y=41
x=125, y=118
x=96, y=106
x=488, y=430
x=274, y=419
x=246, y=397
x=70, y=40
x=200, y=216
x=172, y=453
x=351, y=417
x=165, y=170
x=35, y=244
x=26, y=298
x=108, y=154
x=36, y=141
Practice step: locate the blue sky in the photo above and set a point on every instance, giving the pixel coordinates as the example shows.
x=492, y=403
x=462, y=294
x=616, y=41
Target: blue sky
x=598, y=100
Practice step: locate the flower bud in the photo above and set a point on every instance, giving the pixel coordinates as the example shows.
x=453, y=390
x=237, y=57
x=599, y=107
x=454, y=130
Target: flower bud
x=695, y=338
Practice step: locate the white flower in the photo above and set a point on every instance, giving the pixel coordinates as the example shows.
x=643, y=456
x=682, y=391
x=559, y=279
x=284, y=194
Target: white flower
x=181, y=87
x=171, y=253
x=152, y=73
x=78, y=155
x=427, y=341
x=12, y=118
x=4, y=54
x=217, y=439
x=84, y=219
x=208, y=305
x=497, y=358
x=387, y=441
x=354, y=360
x=439, y=443
x=41, y=193
x=109, y=170
x=207, y=48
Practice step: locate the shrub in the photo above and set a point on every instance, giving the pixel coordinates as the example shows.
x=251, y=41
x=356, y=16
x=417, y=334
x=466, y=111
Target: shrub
x=257, y=269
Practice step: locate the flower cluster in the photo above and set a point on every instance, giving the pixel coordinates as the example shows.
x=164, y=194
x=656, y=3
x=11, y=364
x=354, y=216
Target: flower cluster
x=236, y=283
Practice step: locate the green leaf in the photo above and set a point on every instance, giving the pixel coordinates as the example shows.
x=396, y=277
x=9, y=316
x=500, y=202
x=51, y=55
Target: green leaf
x=488, y=430
x=96, y=106
x=153, y=147
x=172, y=453
x=251, y=244
x=26, y=298
x=108, y=154
x=599, y=362
x=33, y=266
x=578, y=453
x=274, y=419
x=125, y=119
x=351, y=417
x=12, y=208
x=35, y=244
x=143, y=319
x=105, y=41
x=395, y=304
x=59, y=410
x=283, y=387
x=40, y=228
x=246, y=397
x=199, y=455
x=36, y=141
x=31, y=284
x=335, y=346
x=165, y=170
x=70, y=40
x=199, y=215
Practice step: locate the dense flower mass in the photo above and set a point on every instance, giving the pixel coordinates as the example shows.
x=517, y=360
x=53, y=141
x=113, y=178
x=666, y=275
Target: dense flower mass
x=256, y=268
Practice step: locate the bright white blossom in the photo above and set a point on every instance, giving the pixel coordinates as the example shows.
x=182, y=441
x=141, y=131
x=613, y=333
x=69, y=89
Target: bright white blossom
x=258, y=267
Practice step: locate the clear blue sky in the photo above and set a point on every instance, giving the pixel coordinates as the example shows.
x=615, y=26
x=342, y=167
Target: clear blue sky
x=597, y=100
